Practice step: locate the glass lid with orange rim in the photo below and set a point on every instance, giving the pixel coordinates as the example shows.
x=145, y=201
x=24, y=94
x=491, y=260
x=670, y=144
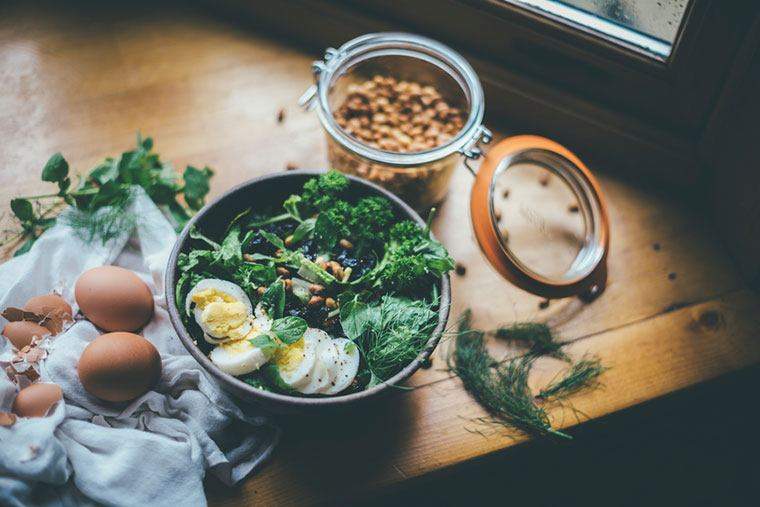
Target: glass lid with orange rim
x=540, y=218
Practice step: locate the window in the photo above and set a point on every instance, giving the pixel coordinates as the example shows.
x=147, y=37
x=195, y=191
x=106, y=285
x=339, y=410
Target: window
x=651, y=25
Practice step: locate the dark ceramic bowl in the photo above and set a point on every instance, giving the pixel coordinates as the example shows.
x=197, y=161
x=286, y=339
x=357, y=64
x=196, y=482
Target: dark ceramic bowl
x=264, y=192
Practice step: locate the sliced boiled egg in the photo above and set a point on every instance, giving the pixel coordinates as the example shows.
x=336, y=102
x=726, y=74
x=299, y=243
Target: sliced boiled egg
x=295, y=362
x=238, y=357
x=222, y=310
x=347, y=366
x=325, y=369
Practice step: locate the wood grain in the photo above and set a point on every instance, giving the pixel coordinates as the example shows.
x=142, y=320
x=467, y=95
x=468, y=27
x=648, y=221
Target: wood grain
x=83, y=82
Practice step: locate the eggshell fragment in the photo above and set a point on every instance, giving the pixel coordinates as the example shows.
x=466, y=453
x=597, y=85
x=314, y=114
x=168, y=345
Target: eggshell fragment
x=114, y=298
x=20, y=333
x=49, y=305
x=36, y=400
x=119, y=366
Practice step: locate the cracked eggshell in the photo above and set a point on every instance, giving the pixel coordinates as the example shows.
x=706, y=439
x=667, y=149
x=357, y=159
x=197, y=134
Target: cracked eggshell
x=36, y=400
x=20, y=333
x=48, y=305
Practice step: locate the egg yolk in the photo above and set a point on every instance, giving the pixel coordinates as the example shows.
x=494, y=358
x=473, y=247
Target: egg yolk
x=221, y=313
x=288, y=358
x=236, y=346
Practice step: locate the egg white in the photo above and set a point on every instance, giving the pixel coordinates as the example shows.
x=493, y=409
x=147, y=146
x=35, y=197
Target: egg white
x=347, y=366
x=325, y=367
x=300, y=375
x=238, y=357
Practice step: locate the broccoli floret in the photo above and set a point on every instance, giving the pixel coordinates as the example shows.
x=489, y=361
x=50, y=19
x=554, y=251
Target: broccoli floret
x=321, y=193
x=407, y=230
x=332, y=224
x=369, y=222
x=404, y=272
x=412, y=257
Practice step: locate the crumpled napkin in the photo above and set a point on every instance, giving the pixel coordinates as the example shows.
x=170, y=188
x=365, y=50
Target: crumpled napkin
x=152, y=451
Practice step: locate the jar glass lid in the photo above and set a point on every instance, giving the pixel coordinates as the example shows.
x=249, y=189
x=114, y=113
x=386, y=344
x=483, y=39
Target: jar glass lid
x=540, y=218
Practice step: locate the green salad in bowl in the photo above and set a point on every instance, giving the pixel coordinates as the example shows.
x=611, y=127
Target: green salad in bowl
x=327, y=292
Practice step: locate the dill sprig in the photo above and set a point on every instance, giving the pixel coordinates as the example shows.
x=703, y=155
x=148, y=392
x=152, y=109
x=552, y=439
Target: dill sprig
x=581, y=375
x=396, y=329
x=503, y=391
x=102, y=224
x=502, y=387
x=538, y=336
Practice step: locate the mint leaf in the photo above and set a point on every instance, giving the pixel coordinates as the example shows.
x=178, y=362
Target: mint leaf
x=196, y=234
x=304, y=229
x=266, y=343
x=23, y=209
x=289, y=329
x=105, y=172
x=196, y=186
x=357, y=316
x=230, y=253
x=272, y=238
x=26, y=246
x=273, y=300
x=56, y=169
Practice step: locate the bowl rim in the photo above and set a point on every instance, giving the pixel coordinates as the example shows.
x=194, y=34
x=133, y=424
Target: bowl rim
x=237, y=385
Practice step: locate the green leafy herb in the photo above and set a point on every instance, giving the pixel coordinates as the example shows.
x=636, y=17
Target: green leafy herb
x=412, y=259
x=321, y=193
x=266, y=343
x=502, y=387
x=503, y=391
x=369, y=223
x=289, y=329
x=273, y=300
x=390, y=332
x=102, y=198
x=304, y=229
x=537, y=336
x=582, y=374
x=196, y=186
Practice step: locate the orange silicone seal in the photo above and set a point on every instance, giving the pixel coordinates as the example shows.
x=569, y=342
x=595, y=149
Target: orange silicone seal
x=588, y=284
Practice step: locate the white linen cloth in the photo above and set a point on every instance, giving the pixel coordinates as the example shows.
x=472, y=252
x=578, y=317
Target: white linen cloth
x=156, y=449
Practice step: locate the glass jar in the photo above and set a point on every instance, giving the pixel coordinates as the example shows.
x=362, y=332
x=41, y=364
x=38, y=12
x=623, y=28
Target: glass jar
x=421, y=178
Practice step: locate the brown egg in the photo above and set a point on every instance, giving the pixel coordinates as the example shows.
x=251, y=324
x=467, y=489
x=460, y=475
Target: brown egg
x=21, y=333
x=114, y=298
x=49, y=304
x=119, y=366
x=36, y=399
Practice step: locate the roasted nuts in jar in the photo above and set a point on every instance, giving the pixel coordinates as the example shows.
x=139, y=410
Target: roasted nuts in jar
x=398, y=116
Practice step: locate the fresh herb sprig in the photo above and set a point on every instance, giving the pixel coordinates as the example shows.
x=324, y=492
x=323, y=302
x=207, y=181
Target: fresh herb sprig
x=502, y=387
x=101, y=197
x=390, y=332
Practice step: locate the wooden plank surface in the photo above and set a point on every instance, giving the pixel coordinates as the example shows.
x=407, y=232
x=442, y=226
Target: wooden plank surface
x=84, y=82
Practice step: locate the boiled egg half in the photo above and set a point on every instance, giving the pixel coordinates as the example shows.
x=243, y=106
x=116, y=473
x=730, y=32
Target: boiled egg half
x=225, y=314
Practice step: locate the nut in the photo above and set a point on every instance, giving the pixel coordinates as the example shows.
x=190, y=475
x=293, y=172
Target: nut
x=315, y=288
x=282, y=271
x=261, y=290
x=330, y=303
x=344, y=243
x=316, y=300
x=288, y=284
x=399, y=116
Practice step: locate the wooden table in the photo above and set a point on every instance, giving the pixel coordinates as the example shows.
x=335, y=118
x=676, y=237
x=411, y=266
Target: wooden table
x=676, y=312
